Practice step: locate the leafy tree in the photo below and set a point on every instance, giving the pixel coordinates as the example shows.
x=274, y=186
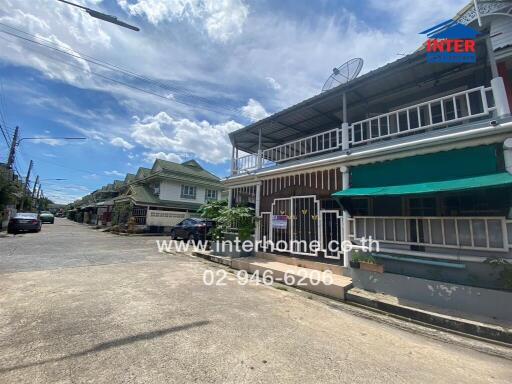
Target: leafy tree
x=8, y=188
x=211, y=210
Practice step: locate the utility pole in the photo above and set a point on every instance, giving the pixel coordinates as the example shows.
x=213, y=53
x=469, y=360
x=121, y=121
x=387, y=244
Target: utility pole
x=25, y=185
x=35, y=186
x=12, y=152
x=38, y=193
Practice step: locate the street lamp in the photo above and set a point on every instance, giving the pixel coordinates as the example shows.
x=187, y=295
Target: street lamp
x=102, y=16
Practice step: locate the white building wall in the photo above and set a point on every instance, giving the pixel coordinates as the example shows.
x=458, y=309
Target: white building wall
x=171, y=190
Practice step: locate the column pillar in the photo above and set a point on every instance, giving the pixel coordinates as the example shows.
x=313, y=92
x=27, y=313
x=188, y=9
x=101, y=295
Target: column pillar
x=500, y=96
x=257, y=212
x=230, y=197
x=345, y=178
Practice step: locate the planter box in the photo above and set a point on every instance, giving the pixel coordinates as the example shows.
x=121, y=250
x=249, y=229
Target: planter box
x=217, y=249
x=354, y=264
x=379, y=268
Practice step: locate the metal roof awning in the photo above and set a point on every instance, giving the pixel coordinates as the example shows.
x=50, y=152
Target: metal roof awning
x=487, y=181
x=324, y=111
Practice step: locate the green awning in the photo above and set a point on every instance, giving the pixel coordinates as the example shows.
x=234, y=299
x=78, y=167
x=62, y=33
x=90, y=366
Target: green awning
x=439, y=166
x=486, y=181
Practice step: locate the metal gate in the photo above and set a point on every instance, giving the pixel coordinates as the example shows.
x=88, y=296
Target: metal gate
x=295, y=223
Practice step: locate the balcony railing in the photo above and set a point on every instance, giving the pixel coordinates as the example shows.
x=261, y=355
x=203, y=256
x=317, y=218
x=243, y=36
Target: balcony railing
x=447, y=110
x=473, y=233
x=454, y=108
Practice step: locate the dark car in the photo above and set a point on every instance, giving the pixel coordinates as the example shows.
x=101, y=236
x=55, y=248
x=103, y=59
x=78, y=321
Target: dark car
x=24, y=221
x=193, y=229
x=47, y=217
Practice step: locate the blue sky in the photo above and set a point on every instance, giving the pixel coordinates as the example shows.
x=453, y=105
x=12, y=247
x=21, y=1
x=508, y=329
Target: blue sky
x=217, y=66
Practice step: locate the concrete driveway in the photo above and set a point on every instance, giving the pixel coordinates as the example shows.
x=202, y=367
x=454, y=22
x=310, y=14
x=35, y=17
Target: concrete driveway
x=78, y=305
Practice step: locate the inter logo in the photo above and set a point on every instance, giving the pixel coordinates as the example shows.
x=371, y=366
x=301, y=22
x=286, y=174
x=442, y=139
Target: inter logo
x=451, y=42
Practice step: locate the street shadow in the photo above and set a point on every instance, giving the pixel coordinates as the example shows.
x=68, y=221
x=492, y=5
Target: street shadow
x=110, y=344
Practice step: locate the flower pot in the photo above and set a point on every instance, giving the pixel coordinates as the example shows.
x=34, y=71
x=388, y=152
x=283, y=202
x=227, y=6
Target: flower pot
x=370, y=267
x=354, y=264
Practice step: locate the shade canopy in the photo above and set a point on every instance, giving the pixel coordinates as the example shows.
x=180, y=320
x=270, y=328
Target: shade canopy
x=469, y=183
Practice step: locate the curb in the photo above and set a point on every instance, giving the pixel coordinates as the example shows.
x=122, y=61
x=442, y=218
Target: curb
x=480, y=331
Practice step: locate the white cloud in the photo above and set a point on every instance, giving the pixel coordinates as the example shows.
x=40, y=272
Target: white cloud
x=151, y=157
x=222, y=19
x=49, y=155
x=114, y=173
x=254, y=111
x=184, y=137
x=122, y=143
x=47, y=140
x=273, y=83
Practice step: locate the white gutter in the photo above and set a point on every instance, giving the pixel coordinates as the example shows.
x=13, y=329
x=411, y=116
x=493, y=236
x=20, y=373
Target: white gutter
x=348, y=158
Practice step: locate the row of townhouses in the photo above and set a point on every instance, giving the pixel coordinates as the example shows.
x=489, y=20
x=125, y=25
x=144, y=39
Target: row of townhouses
x=152, y=199
x=414, y=154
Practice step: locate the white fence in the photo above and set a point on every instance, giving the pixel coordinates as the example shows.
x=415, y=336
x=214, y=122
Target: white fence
x=474, y=233
x=160, y=218
x=451, y=109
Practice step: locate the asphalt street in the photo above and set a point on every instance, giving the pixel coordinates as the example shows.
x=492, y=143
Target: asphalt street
x=78, y=305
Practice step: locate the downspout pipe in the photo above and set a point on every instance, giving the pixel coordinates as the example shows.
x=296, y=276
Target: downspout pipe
x=507, y=151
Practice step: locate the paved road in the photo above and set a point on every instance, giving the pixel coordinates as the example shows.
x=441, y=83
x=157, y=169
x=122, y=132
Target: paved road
x=78, y=305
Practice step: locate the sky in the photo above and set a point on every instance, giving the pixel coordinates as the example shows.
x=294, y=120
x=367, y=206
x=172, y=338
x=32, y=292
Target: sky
x=196, y=70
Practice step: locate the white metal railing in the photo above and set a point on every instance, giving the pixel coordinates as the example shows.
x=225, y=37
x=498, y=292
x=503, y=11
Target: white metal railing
x=509, y=233
x=475, y=233
x=464, y=105
x=309, y=145
x=451, y=109
x=247, y=163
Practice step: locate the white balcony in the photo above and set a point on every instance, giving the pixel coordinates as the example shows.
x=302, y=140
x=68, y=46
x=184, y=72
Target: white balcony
x=452, y=109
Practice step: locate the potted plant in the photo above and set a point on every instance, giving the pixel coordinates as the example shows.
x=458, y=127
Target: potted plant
x=230, y=224
x=368, y=263
x=355, y=261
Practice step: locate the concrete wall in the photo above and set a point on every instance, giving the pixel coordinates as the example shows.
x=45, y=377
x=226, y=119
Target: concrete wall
x=170, y=190
x=165, y=218
x=478, y=301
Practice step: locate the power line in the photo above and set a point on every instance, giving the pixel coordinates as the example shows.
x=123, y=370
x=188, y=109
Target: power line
x=223, y=109
x=113, y=67
x=5, y=135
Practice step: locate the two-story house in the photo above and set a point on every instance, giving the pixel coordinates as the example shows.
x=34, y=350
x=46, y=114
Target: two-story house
x=166, y=194
x=413, y=154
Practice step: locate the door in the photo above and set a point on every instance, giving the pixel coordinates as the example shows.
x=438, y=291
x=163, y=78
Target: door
x=295, y=223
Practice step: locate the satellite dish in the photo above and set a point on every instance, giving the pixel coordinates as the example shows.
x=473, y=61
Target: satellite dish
x=343, y=74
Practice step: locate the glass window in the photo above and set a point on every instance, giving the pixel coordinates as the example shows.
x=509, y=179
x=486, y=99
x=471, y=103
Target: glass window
x=188, y=192
x=211, y=194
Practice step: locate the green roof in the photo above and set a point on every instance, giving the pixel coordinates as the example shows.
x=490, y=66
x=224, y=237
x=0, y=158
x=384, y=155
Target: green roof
x=129, y=178
x=143, y=172
x=188, y=168
x=464, y=184
x=141, y=194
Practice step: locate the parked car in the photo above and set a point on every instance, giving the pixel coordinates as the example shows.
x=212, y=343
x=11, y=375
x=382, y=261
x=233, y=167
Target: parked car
x=24, y=221
x=47, y=217
x=193, y=229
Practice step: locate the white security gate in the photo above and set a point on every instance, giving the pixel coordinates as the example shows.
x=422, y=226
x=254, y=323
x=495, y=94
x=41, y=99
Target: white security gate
x=297, y=222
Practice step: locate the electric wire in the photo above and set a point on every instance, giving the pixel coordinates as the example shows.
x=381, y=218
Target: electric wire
x=223, y=109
